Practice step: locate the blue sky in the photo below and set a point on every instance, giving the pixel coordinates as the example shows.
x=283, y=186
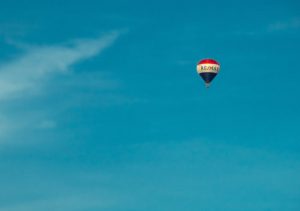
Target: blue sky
x=101, y=107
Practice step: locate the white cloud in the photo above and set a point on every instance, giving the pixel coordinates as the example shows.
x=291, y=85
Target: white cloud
x=285, y=25
x=23, y=75
x=47, y=124
x=79, y=202
x=6, y=125
x=279, y=26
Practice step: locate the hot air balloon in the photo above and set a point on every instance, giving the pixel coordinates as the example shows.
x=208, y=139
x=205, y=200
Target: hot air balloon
x=208, y=69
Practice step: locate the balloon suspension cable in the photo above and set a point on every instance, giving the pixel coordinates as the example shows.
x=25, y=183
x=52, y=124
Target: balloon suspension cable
x=207, y=85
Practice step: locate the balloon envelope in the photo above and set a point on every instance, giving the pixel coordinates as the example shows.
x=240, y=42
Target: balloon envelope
x=208, y=69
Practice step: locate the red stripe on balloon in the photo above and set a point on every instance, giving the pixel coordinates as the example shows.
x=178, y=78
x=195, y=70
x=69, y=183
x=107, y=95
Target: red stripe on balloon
x=208, y=61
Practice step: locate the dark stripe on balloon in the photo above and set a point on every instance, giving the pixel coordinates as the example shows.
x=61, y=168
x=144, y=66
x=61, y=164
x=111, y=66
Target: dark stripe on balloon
x=208, y=77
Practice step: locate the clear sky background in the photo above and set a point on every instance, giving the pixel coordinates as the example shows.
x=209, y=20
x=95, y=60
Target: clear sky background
x=101, y=107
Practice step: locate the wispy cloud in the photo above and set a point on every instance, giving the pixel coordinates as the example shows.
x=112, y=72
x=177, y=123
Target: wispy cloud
x=47, y=124
x=23, y=75
x=15, y=29
x=77, y=202
x=29, y=74
x=276, y=26
x=285, y=25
